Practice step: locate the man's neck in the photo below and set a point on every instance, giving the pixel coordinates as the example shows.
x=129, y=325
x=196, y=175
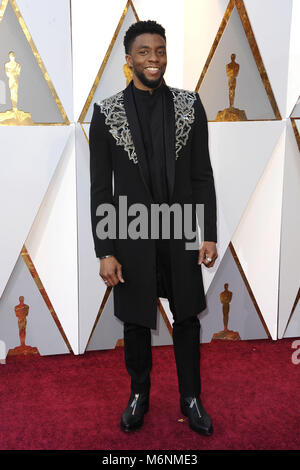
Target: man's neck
x=141, y=86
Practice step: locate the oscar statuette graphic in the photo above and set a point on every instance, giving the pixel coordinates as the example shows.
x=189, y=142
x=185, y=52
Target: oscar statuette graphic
x=128, y=73
x=21, y=311
x=226, y=334
x=232, y=113
x=14, y=116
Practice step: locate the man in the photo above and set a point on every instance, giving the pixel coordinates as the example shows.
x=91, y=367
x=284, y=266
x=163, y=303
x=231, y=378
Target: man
x=154, y=140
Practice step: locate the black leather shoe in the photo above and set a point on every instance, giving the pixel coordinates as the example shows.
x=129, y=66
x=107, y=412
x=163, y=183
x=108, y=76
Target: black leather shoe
x=199, y=420
x=133, y=416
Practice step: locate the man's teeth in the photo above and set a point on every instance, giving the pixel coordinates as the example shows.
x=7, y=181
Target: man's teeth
x=152, y=68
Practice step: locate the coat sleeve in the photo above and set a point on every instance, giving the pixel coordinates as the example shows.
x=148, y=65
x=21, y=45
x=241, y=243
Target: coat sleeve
x=100, y=178
x=203, y=186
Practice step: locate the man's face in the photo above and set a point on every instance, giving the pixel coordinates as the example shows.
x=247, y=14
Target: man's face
x=148, y=60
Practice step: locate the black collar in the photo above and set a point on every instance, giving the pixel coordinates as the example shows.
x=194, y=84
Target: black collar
x=145, y=93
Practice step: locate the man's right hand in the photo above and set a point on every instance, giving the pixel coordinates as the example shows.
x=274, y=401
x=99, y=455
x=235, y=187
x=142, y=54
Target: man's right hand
x=111, y=271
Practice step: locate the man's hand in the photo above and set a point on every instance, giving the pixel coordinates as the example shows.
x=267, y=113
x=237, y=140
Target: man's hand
x=208, y=254
x=111, y=271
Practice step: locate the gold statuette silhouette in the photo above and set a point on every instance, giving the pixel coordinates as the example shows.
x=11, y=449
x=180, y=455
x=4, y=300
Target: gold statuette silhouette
x=232, y=113
x=21, y=311
x=225, y=298
x=14, y=116
x=128, y=73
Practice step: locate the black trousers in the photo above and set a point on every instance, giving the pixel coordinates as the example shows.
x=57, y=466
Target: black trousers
x=186, y=339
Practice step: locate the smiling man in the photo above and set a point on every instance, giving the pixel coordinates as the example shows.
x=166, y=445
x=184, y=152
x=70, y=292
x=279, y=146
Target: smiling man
x=147, y=57
x=153, y=139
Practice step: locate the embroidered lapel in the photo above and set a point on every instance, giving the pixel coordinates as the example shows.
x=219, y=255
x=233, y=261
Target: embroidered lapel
x=184, y=116
x=116, y=119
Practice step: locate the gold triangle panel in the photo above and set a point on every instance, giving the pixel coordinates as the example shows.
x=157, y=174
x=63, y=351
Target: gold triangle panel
x=296, y=131
x=29, y=263
x=14, y=73
x=105, y=60
x=165, y=317
x=120, y=341
x=85, y=134
x=239, y=266
x=101, y=308
x=231, y=113
x=292, y=311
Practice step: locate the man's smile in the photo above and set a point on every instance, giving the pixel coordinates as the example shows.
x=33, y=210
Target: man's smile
x=152, y=70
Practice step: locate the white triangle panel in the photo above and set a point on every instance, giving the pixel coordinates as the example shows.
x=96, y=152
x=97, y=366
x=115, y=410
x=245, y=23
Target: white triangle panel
x=109, y=329
x=93, y=26
x=271, y=23
x=161, y=336
x=91, y=286
x=49, y=25
x=242, y=316
x=293, y=327
x=239, y=153
x=3, y=351
x=29, y=156
x=86, y=128
x=165, y=304
x=250, y=94
x=113, y=79
x=41, y=329
x=293, y=90
x=257, y=238
x=202, y=20
x=290, y=230
x=296, y=111
x=52, y=243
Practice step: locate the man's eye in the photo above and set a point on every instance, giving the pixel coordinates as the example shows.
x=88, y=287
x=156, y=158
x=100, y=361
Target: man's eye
x=143, y=52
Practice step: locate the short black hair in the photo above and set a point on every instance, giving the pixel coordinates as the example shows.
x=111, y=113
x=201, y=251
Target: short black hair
x=142, y=27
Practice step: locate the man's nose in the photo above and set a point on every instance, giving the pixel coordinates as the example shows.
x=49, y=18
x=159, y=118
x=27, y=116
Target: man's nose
x=153, y=57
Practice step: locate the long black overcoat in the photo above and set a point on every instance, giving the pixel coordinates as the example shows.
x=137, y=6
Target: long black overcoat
x=116, y=149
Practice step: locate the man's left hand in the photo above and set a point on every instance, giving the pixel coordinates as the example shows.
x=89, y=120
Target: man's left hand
x=208, y=254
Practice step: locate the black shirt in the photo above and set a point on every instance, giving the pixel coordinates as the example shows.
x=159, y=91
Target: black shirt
x=150, y=110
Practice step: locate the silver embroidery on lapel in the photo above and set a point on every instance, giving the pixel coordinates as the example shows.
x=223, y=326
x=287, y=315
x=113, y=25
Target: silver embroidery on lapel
x=184, y=116
x=115, y=117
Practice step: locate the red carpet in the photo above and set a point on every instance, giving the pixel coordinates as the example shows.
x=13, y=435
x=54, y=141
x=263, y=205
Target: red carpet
x=250, y=389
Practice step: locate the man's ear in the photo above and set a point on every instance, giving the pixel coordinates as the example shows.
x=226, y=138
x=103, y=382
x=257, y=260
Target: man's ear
x=128, y=60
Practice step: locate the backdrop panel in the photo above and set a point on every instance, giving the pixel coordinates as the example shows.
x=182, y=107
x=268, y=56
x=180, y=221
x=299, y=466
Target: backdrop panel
x=290, y=229
x=52, y=243
x=239, y=154
x=243, y=318
x=22, y=149
x=257, y=238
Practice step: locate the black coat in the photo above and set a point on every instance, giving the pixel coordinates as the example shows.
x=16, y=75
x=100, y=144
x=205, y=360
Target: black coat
x=116, y=147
